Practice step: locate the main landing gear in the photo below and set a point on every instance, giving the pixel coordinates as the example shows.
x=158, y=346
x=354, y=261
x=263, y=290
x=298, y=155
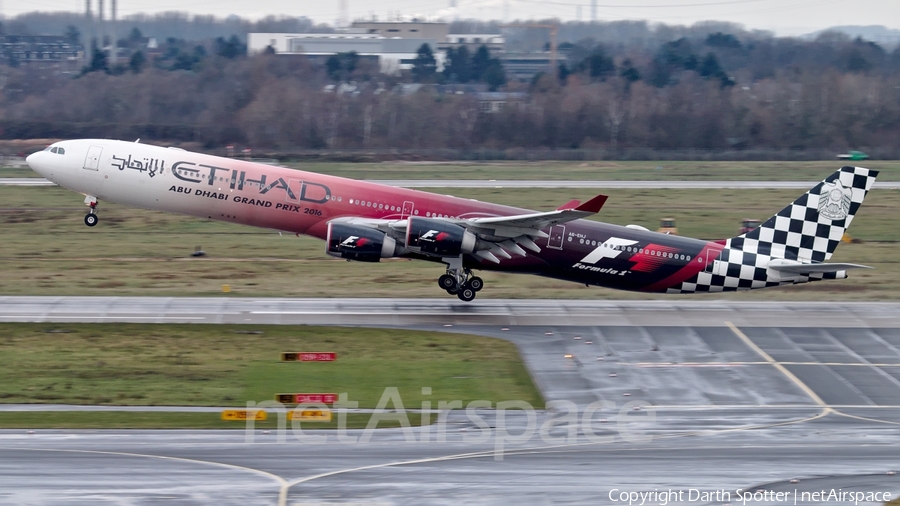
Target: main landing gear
x=91, y=219
x=459, y=281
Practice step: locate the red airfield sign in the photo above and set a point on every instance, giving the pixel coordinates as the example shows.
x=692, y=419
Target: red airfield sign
x=315, y=398
x=306, y=356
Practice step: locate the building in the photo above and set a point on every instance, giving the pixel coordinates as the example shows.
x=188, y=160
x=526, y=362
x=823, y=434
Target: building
x=41, y=50
x=495, y=43
x=394, y=44
x=404, y=30
x=525, y=66
x=437, y=31
x=393, y=54
x=492, y=102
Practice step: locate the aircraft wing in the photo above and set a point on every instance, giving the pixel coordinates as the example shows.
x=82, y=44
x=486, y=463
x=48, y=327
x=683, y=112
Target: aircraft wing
x=790, y=267
x=499, y=236
x=531, y=224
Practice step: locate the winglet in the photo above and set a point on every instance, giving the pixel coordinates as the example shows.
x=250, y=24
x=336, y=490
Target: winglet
x=593, y=205
x=572, y=204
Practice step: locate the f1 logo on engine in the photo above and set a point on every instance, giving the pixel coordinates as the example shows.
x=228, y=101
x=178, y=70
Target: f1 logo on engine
x=607, y=250
x=433, y=235
x=354, y=242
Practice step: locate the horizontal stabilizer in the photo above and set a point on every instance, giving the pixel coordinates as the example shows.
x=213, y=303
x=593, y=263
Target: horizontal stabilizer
x=790, y=267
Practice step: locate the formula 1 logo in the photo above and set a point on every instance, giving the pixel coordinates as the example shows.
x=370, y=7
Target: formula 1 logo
x=354, y=242
x=607, y=250
x=433, y=236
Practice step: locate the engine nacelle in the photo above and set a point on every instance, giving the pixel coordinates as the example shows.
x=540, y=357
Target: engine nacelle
x=359, y=243
x=438, y=238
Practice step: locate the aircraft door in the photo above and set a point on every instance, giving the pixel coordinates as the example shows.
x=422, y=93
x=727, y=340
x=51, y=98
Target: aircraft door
x=407, y=209
x=713, y=264
x=92, y=160
x=557, y=233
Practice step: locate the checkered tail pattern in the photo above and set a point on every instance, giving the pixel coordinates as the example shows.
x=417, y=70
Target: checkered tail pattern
x=807, y=231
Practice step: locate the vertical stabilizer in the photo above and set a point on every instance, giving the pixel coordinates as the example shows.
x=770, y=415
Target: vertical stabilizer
x=811, y=227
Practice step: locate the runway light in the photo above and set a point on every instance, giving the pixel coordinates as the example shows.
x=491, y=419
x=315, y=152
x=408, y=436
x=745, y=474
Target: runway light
x=626, y=394
x=636, y=408
x=795, y=480
x=577, y=338
x=29, y=432
x=448, y=325
x=548, y=333
x=612, y=375
x=602, y=420
x=266, y=432
x=599, y=359
x=589, y=342
x=891, y=473
x=464, y=429
x=567, y=355
x=504, y=329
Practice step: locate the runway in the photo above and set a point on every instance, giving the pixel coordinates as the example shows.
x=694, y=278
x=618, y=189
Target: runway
x=514, y=183
x=646, y=185
x=730, y=396
x=699, y=311
x=25, y=181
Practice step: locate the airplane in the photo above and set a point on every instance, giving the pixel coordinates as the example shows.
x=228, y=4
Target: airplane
x=366, y=222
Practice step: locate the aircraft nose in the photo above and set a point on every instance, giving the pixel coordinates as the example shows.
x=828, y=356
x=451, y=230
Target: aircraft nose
x=33, y=161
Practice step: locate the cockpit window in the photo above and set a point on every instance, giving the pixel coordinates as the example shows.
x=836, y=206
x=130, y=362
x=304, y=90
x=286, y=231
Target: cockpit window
x=61, y=151
x=54, y=150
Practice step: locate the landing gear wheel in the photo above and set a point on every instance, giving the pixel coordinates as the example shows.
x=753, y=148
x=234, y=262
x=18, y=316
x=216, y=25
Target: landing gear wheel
x=476, y=283
x=466, y=294
x=91, y=220
x=447, y=282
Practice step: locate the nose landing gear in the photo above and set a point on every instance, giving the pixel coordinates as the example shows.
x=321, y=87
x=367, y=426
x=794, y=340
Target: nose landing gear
x=91, y=219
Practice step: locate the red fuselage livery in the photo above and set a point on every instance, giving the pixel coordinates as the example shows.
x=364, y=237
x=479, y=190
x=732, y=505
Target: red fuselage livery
x=366, y=222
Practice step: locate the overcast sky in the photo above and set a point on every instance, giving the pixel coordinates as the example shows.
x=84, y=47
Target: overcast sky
x=784, y=17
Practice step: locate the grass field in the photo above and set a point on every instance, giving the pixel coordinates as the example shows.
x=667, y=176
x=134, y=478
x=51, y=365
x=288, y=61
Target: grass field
x=47, y=250
x=603, y=170
x=228, y=365
x=592, y=170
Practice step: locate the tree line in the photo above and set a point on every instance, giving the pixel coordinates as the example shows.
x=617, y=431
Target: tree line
x=710, y=90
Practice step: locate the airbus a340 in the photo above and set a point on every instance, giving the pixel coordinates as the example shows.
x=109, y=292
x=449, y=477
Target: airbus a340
x=367, y=222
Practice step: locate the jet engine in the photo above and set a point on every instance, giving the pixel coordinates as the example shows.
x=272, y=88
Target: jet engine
x=360, y=243
x=438, y=238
